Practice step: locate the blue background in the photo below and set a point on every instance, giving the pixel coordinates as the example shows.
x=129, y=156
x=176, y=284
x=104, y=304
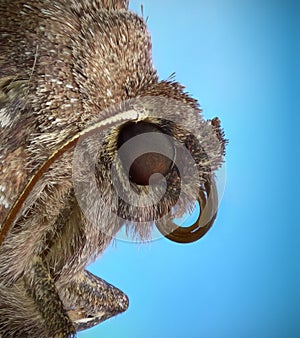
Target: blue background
x=240, y=60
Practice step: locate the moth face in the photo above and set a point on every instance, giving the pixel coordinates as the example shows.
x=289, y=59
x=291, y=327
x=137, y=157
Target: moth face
x=152, y=165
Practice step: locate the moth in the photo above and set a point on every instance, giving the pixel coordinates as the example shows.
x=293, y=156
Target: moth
x=91, y=141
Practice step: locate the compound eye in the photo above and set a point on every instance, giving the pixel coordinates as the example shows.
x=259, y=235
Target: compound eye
x=139, y=157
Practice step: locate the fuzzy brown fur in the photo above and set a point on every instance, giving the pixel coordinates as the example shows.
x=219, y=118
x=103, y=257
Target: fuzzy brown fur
x=63, y=65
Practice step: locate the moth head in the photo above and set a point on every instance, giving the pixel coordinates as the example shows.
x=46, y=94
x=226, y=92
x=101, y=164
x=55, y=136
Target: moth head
x=152, y=166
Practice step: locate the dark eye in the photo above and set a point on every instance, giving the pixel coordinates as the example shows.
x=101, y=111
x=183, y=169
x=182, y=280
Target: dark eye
x=137, y=159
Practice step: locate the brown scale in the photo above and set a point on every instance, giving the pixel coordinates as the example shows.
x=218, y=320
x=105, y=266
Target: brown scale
x=66, y=69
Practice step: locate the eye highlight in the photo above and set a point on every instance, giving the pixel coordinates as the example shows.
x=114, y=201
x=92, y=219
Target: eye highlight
x=138, y=160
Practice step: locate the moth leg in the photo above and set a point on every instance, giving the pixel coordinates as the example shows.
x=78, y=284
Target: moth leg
x=41, y=287
x=90, y=300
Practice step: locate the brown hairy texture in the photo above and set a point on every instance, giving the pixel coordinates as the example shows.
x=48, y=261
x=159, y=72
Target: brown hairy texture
x=64, y=66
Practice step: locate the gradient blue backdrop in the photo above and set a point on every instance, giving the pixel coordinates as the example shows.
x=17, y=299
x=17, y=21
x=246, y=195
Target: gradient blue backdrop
x=239, y=59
